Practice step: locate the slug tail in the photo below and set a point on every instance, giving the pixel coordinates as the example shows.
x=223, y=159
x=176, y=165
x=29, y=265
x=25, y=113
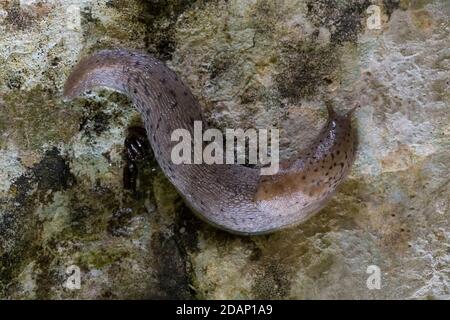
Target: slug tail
x=102, y=69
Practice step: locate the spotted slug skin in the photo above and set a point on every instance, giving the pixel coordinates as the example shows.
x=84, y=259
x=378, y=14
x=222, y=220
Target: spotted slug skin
x=231, y=197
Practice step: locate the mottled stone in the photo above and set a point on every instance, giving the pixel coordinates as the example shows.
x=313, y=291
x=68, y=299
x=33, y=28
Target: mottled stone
x=252, y=63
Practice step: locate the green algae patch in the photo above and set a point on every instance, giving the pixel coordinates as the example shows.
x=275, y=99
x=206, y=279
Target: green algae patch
x=101, y=257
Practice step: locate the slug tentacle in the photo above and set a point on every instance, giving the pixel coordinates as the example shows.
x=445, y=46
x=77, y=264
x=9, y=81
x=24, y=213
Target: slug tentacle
x=232, y=197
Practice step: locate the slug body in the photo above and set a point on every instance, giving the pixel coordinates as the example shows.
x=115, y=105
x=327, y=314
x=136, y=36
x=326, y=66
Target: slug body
x=232, y=197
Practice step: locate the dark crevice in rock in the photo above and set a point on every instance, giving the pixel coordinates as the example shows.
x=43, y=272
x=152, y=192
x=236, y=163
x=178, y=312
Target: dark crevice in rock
x=172, y=278
x=344, y=20
x=390, y=6
x=186, y=229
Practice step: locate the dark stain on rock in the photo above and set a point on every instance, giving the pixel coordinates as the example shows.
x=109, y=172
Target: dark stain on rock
x=256, y=254
x=390, y=6
x=170, y=267
x=11, y=262
x=51, y=173
x=305, y=67
x=8, y=223
x=171, y=248
x=267, y=16
x=343, y=19
x=20, y=228
x=94, y=121
x=100, y=122
x=187, y=226
x=160, y=17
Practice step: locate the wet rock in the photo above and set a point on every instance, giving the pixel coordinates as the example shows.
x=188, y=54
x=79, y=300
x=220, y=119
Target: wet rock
x=251, y=64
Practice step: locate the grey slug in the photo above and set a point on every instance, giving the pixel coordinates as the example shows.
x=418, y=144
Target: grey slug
x=231, y=197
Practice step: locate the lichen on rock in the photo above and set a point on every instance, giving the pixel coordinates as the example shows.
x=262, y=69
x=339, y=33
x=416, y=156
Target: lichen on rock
x=251, y=63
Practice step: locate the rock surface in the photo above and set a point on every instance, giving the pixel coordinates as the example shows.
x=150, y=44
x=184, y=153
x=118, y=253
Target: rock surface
x=252, y=63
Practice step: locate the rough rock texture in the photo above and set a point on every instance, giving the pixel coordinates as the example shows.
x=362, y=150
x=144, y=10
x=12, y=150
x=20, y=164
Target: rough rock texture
x=252, y=63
